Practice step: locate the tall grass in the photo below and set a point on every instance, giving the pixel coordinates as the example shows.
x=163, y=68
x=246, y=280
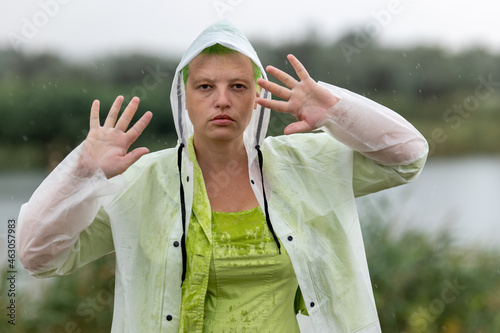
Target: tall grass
x=424, y=283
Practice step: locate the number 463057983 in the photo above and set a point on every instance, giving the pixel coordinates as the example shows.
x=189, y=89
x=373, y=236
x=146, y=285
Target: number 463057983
x=11, y=243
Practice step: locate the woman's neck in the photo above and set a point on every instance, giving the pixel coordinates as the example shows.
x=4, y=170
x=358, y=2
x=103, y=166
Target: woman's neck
x=216, y=155
x=224, y=166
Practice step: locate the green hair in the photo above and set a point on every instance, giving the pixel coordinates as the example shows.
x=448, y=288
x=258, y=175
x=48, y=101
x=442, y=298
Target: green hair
x=221, y=50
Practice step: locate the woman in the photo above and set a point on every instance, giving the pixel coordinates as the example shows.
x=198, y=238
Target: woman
x=229, y=231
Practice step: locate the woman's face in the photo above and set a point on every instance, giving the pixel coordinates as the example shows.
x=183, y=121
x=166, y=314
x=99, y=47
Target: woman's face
x=220, y=96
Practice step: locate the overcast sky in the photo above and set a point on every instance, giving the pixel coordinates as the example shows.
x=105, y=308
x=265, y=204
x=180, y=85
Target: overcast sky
x=84, y=29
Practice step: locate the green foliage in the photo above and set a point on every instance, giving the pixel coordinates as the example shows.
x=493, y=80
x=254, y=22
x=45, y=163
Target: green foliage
x=423, y=283
x=78, y=303
x=45, y=100
x=45, y=103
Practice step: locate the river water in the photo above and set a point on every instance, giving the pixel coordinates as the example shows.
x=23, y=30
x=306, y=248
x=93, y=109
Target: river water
x=459, y=194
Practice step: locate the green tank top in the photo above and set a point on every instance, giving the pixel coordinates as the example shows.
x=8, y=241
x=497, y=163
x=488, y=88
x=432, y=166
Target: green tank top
x=251, y=287
x=236, y=280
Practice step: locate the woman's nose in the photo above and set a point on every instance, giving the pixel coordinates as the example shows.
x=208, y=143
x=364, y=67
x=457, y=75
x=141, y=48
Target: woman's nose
x=222, y=99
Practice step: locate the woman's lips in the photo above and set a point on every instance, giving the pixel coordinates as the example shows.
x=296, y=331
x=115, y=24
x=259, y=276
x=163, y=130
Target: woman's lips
x=222, y=119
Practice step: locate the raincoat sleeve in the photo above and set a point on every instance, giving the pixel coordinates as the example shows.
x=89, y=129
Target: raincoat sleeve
x=64, y=212
x=388, y=150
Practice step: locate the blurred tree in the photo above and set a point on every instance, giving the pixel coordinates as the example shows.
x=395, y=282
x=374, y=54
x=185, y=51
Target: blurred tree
x=45, y=100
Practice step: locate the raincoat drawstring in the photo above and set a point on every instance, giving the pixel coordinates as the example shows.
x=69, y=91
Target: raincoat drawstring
x=268, y=220
x=183, y=214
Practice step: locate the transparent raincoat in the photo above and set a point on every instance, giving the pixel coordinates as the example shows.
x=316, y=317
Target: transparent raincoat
x=309, y=180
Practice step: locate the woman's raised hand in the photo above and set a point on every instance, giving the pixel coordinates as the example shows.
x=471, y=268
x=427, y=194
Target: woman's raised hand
x=107, y=145
x=305, y=99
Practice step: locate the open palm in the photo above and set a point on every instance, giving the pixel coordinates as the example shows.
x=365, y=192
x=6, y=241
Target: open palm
x=107, y=145
x=305, y=99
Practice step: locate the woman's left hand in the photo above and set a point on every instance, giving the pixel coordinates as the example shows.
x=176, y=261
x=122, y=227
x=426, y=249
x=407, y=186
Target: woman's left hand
x=305, y=99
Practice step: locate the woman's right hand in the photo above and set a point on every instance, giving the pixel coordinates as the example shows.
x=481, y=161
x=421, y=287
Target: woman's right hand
x=107, y=145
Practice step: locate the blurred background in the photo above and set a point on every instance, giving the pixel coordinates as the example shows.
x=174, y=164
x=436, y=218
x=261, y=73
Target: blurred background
x=432, y=246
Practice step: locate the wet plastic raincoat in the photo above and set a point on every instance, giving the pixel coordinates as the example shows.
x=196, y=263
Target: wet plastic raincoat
x=308, y=189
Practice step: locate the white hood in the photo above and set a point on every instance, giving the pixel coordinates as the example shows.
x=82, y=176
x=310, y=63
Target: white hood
x=226, y=34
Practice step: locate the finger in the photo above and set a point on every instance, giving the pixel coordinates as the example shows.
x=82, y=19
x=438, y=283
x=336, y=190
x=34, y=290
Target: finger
x=275, y=89
x=94, y=115
x=299, y=68
x=127, y=114
x=134, y=156
x=287, y=79
x=113, y=112
x=297, y=127
x=135, y=131
x=280, y=106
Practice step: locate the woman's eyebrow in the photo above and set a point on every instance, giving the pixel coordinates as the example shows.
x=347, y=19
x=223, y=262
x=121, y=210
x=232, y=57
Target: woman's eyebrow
x=203, y=79
x=215, y=80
